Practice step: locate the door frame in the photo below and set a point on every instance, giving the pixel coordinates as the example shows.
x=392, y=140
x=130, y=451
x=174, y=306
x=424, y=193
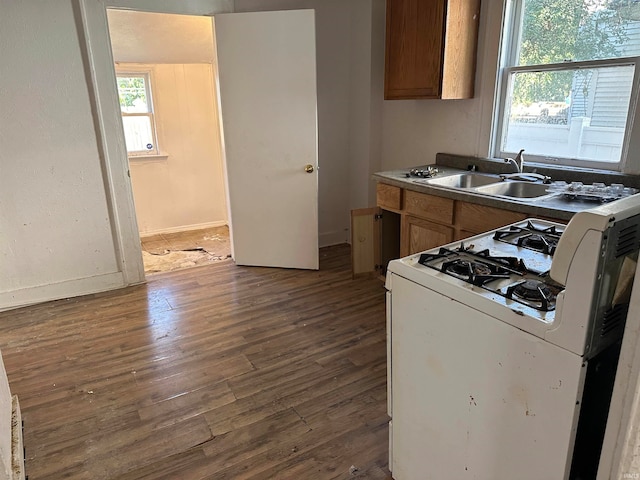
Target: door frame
x=95, y=41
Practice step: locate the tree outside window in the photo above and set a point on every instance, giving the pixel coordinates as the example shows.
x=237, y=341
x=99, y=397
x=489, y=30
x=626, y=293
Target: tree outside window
x=567, y=80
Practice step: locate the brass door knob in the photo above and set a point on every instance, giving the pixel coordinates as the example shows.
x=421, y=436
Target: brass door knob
x=308, y=168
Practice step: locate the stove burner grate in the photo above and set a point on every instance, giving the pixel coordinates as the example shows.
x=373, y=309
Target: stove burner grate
x=535, y=293
x=477, y=273
x=540, y=239
x=535, y=242
x=483, y=269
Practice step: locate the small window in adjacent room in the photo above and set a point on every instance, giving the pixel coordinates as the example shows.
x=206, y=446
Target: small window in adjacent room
x=134, y=90
x=568, y=82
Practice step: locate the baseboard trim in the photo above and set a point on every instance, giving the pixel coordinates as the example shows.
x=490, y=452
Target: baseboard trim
x=333, y=238
x=70, y=288
x=183, y=228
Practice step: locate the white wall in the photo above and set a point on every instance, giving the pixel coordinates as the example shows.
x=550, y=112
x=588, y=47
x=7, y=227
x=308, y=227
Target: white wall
x=55, y=224
x=365, y=99
x=185, y=189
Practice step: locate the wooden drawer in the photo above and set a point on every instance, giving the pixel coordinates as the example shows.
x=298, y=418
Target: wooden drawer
x=480, y=218
x=430, y=207
x=389, y=196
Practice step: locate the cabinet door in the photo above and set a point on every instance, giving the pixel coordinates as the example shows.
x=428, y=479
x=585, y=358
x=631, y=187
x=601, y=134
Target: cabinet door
x=431, y=48
x=414, y=48
x=375, y=240
x=365, y=240
x=419, y=235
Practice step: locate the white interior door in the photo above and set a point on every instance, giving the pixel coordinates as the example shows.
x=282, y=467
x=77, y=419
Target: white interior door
x=267, y=88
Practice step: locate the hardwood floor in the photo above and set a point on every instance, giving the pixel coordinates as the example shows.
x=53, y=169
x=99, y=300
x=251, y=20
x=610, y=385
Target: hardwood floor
x=213, y=372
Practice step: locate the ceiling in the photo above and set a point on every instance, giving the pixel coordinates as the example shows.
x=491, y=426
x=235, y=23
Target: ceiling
x=141, y=37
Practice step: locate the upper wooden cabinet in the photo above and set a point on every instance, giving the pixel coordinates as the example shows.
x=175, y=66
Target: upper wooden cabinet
x=431, y=48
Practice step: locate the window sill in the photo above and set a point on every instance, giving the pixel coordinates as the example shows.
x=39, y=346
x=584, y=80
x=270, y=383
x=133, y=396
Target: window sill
x=149, y=158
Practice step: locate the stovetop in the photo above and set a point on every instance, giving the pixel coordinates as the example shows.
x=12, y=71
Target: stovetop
x=508, y=266
x=541, y=238
x=508, y=276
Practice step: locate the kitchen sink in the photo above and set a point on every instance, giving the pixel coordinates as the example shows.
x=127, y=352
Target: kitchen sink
x=463, y=180
x=515, y=189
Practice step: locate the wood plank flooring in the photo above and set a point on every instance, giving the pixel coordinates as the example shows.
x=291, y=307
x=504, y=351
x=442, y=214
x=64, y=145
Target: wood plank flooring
x=212, y=372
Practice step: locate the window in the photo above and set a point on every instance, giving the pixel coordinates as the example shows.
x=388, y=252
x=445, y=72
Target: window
x=568, y=82
x=134, y=91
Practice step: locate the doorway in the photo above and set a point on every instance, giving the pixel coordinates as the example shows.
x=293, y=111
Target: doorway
x=277, y=131
x=166, y=75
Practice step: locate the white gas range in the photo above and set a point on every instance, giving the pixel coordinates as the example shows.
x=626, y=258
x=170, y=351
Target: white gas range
x=503, y=348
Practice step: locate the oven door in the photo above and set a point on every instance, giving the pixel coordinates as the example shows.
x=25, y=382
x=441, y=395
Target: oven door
x=474, y=397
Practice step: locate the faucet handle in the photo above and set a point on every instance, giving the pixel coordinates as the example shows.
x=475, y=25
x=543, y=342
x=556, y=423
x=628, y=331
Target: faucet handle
x=518, y=162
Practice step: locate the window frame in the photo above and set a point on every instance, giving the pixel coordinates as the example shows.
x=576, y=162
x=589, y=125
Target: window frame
x=147, y=74
x=508, y=58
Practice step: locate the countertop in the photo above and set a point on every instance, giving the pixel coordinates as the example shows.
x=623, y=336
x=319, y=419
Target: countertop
x=554, y=207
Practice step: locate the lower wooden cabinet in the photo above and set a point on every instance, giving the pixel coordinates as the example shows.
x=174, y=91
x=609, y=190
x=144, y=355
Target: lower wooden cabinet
x=408, y=222
x=418, y=235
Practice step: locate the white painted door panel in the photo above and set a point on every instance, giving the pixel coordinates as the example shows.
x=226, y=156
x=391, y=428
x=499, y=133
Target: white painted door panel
x=267, y=85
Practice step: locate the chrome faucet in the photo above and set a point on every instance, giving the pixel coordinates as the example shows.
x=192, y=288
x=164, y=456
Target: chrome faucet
x=517, y=162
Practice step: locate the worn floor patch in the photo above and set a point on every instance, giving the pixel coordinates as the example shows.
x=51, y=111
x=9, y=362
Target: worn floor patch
x=173, y=251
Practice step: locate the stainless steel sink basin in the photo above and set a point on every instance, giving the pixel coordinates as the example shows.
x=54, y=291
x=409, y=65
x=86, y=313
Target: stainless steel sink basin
x=515, y=189
x=463, y=180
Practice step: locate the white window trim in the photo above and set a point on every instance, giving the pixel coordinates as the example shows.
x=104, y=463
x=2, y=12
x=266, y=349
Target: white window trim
x=147, y=72
x=508, y=56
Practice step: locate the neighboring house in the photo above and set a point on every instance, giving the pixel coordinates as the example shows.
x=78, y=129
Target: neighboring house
x=605, y=107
